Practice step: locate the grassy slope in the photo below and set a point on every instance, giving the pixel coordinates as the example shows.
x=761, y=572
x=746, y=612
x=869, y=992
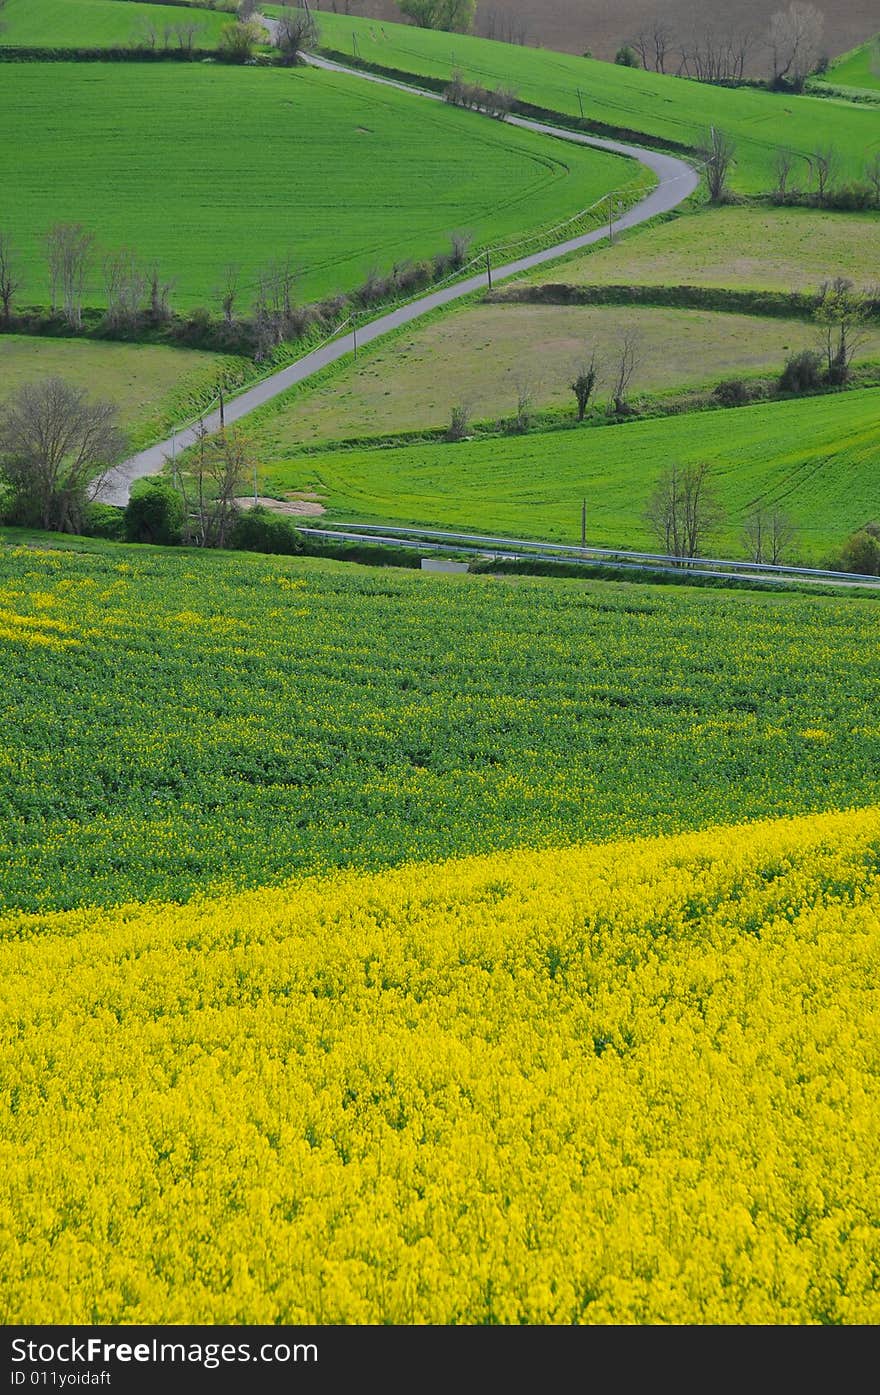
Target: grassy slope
x=663, y=107
x=97, y=23
x=482, y=354
x=859, y=68
x=151, y=385
x=816, y=458
x=774, y=249
x=243, y=165
x=175, y=720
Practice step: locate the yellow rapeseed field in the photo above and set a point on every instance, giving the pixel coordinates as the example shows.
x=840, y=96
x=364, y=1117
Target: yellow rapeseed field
x=628, y=1083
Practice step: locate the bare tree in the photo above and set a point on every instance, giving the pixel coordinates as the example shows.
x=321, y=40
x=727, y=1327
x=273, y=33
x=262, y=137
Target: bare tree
x=653, y=45
x=718, y=153
x=782, y=168
x=714, y=57
x=229, y=293
x=628, y=359
x=842, y=314
x=872, y=175
x=767, y=535
x=9, y=278
x=69, y=248
x=247, y=9
x=186, y=35
x=683, y=510
x=146, y=36
x=824, y=164
x=525, y=399
x=273, y=304
x=295, y=33
x=52, y=443
x=584, y=384
x=795, y=41
x=459, y=421
x=125, y=284
x=158, y=293
x=229, y=462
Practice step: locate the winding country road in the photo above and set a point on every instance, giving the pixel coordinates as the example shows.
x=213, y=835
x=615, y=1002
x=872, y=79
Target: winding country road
x=677, y=180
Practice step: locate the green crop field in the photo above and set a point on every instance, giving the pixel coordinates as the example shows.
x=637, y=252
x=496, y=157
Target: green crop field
x=860, y=68
x=764, y=249
x=818, y=459
x=152, y=386
x=666, y=108
x=243, y=165
x=99, y=23
x=484, y=355
x=176, y=722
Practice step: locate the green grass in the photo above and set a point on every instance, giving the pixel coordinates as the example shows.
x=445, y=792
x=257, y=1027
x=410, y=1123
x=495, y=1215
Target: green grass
x=203, y=166
x=98, y=23
x=665, y=108
x=860, y=68
x=482, y=354
x=818, y=459
x=152, y=386
x=176, y=721
x=738, y=248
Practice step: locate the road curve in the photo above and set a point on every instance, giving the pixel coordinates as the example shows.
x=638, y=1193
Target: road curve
x=676, y=181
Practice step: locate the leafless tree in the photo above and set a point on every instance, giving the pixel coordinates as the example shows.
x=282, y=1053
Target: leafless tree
x=9, y=278
x=125, y=283
x=584, y=384
x=824, y=165
x=296, y=32
x=842, y=314
x=653, y=45
x=229, y=462
x=186, y=35
x=718, y=153
x=496, y=24
x=146, y=36
x=783, y=166
x=628, y=359
x=70, y=249
x=229, y=291
x=52, y=443
x=459, y=421
x=714, y=57
x=872, y=175
x=683, y=510
x=795, y=41
x=158, y=294
x=273, y=304
x=767, y=535
x=247, y=9
x=525, y=400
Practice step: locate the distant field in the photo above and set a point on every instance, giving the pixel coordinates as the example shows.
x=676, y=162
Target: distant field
x=603, y=25
x=860, y=68
x=816, y=458
x=98, y=23
x=785, y=249
x=243, y=165
x=151, y=385
x=481, y=355
x=662, y=107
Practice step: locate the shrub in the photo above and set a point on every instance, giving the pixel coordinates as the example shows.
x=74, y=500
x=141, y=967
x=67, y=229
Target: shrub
x=260, y=530
x=238, y=40
x=154, y=513
x=733, y=392
x=458, y=423
x=851, y=198
x=861, y=552
x=626, y=57
x=104, y=521
x=802, y=372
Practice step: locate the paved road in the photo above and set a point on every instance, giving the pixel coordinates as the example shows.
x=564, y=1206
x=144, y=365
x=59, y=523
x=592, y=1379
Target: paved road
x=677, y=180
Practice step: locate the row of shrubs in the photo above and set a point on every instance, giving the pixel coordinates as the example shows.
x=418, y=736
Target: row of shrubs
x=155, y=514
x=493, y=101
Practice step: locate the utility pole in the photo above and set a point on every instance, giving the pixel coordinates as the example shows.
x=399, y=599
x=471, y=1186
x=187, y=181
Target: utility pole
x=255, y=484
x=584, y=523
x=581, y=103
x=354, y=334
x=222, y=412
x=489, y=267
x=610, y=219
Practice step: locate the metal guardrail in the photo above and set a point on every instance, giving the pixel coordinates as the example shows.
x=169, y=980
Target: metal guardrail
x=530, y=548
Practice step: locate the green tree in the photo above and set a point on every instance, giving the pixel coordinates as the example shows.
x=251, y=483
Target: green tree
x=457, y=16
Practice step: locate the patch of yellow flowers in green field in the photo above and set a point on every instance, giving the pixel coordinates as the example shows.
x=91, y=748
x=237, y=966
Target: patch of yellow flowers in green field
x=634, y=1082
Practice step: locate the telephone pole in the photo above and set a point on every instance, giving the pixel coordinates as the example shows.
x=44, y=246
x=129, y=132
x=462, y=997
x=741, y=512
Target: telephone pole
x=489, y=268
x=222, y=412
x=584, y=523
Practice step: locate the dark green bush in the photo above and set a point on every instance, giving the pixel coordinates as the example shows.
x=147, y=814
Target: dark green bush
x=802, y=372
x=260, y=530
x=861, y=553
x=154, y=513
x=733, y=392
x=104, y=521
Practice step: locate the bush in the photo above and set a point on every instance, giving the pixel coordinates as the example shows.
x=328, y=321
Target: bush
x=154, y=513
x=238, y=41
x=104, y=521
x=626, y=57
x=459, y=422
x=861, y=552
x=733, y=392
x=260, y=530
x=851, y=198
x=802, y=372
